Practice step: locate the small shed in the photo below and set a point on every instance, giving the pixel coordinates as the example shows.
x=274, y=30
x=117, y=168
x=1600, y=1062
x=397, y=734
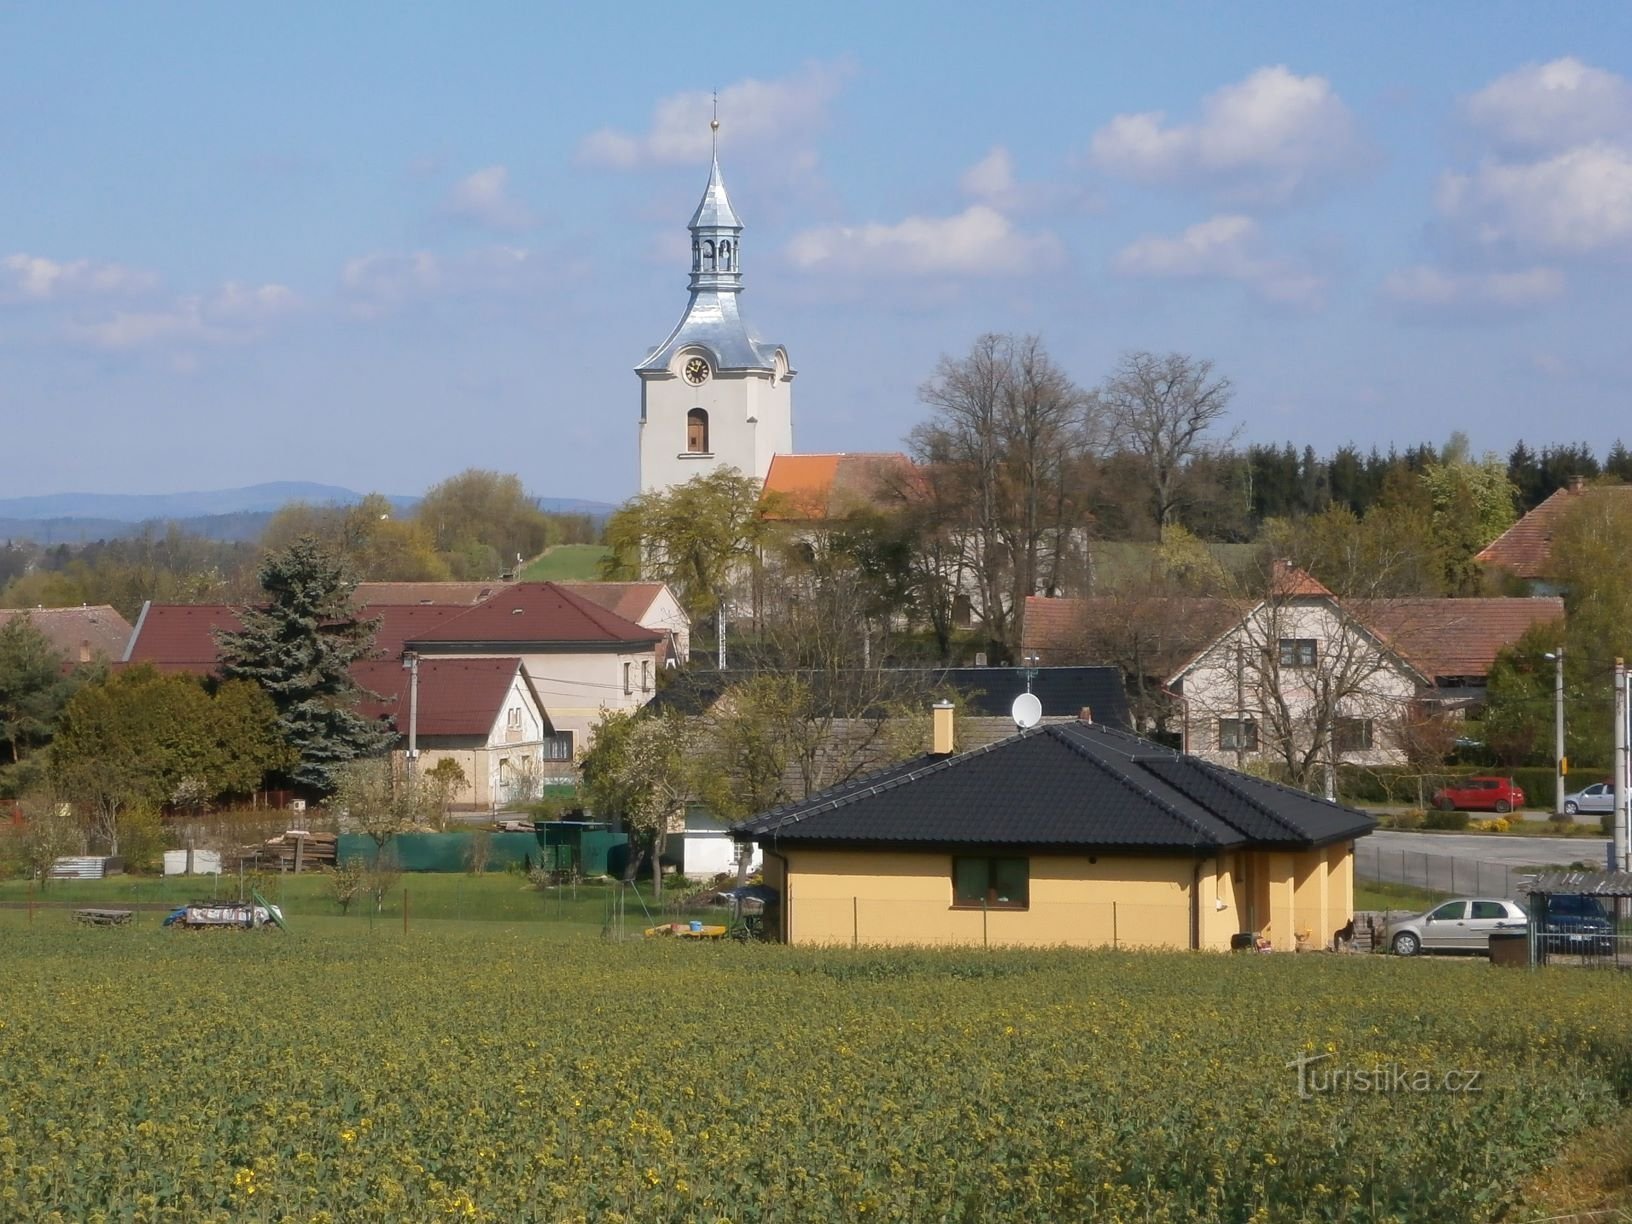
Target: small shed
x=1577, y=914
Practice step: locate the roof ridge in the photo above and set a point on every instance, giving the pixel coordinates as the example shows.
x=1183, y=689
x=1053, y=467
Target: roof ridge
x=1060, y=731
x=858, y=790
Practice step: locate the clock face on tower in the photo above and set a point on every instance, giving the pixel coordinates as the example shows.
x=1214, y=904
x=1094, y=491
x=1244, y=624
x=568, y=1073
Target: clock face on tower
x=696, y=371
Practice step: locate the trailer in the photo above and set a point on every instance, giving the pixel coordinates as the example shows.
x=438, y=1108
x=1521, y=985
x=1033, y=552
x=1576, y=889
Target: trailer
x=249, y=915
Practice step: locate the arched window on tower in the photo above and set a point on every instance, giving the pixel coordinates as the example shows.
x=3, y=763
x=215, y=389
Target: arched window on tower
x=725, y=256
x=696, y=256
x=708, y=254
x=697, y=432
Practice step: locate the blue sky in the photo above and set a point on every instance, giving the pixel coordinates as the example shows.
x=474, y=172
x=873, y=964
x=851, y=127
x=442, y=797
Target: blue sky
x=374, y=245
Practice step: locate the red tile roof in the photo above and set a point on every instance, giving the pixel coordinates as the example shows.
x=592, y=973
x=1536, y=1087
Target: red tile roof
x=1453, y=637
x=461, y=594
x=181, y=637
x=538, y=614
x=1288, y=581
x=456, y=696
x=80, y=634
x=401, y=622
x=1525, y=549
x=630, y=600
x=828, y=486
x=1066, y=631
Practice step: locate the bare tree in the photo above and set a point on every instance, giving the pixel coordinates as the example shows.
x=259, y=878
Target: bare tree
x=1001, y=451
x=1160, y=409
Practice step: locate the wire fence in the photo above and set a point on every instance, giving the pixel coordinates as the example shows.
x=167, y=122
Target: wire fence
x=1443, y=873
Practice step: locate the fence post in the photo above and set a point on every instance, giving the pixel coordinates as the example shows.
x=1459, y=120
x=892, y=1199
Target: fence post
x=1113, y=924
x=985, y=939
x=855, y=922
x=405, y=911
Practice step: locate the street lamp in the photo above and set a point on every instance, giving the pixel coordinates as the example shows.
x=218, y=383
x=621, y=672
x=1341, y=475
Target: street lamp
x=1561, y=763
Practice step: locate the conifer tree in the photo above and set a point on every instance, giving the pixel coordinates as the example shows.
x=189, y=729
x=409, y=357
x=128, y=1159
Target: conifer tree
x=298, y=647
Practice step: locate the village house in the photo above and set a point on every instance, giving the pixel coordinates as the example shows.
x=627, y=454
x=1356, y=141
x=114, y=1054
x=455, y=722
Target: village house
x=1525, y=550
x=1069, y=834
x=89, y=633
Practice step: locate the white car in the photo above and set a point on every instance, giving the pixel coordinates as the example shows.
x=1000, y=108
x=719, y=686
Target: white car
x=1463, y=925
x=1599, y=797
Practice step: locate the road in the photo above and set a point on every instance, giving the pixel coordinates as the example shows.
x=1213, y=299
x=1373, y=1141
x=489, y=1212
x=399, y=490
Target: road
x=1493, y=847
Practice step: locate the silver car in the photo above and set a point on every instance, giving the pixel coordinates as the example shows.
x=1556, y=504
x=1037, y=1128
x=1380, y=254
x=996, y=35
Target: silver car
x=1599, y=797
x=1463, y=925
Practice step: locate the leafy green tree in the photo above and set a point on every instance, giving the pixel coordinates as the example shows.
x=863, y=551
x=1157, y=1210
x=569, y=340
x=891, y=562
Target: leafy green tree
x=298, y=648
x=377, y=545
x=33, y=688
x=697, y=537
x=480, y=522
x=1472, y=502
x=640, y=770
x=379, y=799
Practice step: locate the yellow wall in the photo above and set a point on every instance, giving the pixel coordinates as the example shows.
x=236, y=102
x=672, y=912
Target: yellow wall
x=905, y=897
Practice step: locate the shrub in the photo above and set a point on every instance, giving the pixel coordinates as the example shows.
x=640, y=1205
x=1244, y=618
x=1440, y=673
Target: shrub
x=1437, y=819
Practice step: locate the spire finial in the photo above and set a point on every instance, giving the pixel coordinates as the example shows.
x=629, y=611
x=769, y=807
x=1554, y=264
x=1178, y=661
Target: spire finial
x=714, y=127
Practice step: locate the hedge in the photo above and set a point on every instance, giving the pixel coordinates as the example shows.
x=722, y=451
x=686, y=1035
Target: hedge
x=1398, y=784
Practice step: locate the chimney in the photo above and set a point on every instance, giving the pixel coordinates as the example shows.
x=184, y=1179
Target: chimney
x=1577, y=483
x=84, y=650
x=941, y=737
x=1086, y=714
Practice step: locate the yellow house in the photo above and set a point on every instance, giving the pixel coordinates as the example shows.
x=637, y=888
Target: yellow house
x=1064, y=834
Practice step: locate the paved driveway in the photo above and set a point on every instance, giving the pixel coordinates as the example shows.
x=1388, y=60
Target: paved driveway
x=1493, y=847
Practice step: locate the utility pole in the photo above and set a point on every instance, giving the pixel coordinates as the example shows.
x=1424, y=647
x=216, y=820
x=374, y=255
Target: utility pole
x=410, y=661
x=719, y=627
x=1561, y=764
x=1621, y=863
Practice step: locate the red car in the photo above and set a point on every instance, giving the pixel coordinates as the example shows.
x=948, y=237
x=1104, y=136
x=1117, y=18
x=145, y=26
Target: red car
x=1480, y=795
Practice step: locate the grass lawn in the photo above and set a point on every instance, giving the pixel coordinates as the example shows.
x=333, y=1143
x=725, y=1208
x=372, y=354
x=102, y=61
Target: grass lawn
x=1375, y=895
x=495, y=897
x=572, y=562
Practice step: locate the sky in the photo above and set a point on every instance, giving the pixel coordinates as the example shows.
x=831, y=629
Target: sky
x=373, y=245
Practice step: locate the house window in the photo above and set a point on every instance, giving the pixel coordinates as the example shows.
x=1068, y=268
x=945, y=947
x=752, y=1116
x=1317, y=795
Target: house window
x=558, y=747
x=645, y=675
x=628, y=678
x=1352, y=734
x=504, y=771
x=697, y=432
x=512, y=718
x=1297, y=652
x=1238, y=734
x=991, y=883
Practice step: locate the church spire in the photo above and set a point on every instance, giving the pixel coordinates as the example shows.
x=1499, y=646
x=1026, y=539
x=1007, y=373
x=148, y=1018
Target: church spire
x=716, y=257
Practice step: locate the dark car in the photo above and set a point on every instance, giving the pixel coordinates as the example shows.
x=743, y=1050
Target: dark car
x=1575, y=923
x=1480, y=794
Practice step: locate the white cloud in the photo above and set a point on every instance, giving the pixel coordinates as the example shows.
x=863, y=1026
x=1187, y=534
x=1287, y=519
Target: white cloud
x=992, y=180
x=36, y=278
x=1576, y=202
x=752, y=113
x=979, y=241
x=1429, y=289
x=484, y=198
x=1227, y=248
x=1262, y=140
x=384, y=281
x=1553, y=106
x=233, y=312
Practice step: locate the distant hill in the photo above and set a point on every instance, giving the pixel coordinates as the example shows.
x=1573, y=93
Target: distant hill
x=222, y=514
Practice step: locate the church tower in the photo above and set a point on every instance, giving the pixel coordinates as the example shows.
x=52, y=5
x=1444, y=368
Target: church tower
x=713, y=395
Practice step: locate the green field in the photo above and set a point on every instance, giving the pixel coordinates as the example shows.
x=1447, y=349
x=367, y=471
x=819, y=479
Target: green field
x=569, y=562
x=527, y=1071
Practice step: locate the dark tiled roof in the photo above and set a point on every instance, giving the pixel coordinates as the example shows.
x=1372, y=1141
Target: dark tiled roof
x=1061, y=785
x=537, y=614
x=398, y=623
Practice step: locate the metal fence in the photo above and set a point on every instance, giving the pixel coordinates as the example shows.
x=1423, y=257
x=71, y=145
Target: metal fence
x=1441, y=873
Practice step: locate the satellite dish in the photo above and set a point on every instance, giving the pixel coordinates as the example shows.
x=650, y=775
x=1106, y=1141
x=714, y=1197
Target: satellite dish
x=1027, y=711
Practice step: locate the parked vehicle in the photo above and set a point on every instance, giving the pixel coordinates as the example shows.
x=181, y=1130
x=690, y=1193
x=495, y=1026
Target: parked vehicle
x=1599, y=797
x=1480, y=794
x=1463, y=925
x=1579, y=924
x=198, y=915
